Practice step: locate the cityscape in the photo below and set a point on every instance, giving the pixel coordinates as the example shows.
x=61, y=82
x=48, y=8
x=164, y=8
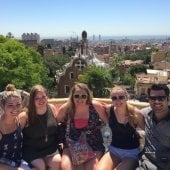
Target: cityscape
x=99, y=51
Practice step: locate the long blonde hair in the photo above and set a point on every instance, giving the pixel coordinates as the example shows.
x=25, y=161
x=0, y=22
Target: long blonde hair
x=70, y=104
x=130, y=109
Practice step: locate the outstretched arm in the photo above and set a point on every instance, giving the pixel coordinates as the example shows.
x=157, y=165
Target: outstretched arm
x=61, y=113
x=101, y=110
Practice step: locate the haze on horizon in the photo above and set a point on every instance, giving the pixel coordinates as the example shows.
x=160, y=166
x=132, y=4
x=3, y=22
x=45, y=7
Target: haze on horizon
x=70, y=17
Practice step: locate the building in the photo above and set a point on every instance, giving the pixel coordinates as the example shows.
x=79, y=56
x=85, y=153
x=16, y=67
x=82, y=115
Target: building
x=67, y=77
x=30, y=39
x=144, y=81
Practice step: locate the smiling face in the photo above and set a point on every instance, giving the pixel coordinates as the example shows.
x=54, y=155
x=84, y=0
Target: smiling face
x=158, y=101
x=119, y=97
x=12, y=106
x=80, y=96
x=11, y=103
x=40, y=99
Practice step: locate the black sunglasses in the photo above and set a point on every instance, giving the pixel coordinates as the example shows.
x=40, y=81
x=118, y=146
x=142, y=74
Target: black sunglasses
x=117, y=97
x=159, y=98
x=80, y=96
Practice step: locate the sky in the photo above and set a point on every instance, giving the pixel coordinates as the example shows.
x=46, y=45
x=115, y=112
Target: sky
x=65, y=18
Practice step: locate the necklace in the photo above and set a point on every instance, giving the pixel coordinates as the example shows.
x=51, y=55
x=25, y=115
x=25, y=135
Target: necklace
x=45, y=129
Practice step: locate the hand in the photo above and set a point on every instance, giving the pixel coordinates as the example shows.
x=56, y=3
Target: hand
x=141, y=133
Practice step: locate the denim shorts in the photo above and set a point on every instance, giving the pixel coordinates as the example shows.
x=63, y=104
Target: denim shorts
x=124, y=153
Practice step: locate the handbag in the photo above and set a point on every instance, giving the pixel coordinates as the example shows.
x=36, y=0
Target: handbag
x=80, y=150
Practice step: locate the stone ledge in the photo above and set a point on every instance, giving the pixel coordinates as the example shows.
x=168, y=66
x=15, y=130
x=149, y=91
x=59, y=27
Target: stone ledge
x=59, y=101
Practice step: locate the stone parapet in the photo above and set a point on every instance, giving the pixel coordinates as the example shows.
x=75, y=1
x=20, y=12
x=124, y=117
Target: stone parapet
x=59, y=101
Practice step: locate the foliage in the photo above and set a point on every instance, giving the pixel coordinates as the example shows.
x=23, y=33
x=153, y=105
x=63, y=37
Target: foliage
x=97, y=79
x=40, y=49
x=128, y=79
x=56, y=62
x=9, y=35
x=20, y=65
x=144, y=55
x=70, y=52
x=134, y=69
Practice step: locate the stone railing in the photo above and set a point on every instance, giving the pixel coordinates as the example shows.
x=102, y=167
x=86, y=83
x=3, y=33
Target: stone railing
x=59, y=101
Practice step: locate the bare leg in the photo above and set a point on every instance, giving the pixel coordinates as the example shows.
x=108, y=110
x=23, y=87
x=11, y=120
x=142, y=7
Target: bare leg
x=108, y=162
x=128, y=164
x=66, y=163
x=53, y=162
x=92, y=164
x=39, y=164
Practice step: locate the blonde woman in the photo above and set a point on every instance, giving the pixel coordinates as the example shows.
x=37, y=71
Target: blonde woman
x=11, y=125
x=123, y=120
x=84, y=115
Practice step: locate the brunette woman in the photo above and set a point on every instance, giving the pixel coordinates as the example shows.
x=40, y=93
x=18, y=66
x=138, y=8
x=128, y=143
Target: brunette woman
x=40, y=139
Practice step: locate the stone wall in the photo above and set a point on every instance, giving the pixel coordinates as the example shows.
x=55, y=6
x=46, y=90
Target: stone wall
x=59, y=101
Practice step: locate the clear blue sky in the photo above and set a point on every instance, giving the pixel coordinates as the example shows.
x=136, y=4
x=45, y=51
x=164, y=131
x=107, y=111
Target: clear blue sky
x=71, y=17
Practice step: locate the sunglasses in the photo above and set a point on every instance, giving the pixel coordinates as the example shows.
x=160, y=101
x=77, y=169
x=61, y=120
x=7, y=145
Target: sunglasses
x=80, y=96
x=40, y=98
x=117, y=97
x=159, y=98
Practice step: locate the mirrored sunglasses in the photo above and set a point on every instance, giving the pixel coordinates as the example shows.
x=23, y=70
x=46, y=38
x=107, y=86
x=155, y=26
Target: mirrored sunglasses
x=80, y=96
x=159, y=98
x=117, y=97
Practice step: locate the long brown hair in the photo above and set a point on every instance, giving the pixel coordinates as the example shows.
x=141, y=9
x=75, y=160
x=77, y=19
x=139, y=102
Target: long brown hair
x=31, y=106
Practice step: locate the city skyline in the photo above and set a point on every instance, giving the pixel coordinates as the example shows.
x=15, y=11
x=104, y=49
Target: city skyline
x=68, y=18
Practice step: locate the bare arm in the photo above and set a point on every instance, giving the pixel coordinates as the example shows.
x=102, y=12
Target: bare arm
x=54, y=109
x=23, y=119
x=101, y=110
x=61, y=113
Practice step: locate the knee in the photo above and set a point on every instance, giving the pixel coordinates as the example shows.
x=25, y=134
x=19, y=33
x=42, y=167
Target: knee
x=66, y=164
x=55, y=162
x=39, y=164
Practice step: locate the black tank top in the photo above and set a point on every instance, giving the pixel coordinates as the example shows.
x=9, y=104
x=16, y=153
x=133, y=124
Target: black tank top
x=124, y=136
x=34, y=144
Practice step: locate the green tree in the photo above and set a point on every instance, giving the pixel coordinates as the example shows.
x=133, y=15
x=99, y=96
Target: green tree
x=56, y=62
x=9, y=35
x=137, y=69
x=97, y=79
x=20, y=65
x=128, y=79
x=52, y=64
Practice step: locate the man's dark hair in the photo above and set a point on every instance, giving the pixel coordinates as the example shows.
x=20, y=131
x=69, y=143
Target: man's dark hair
x=159, y=87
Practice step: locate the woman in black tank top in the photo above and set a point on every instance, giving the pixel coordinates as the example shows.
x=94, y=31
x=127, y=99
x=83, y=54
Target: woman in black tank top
x=123, y=119
x=40, y=136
